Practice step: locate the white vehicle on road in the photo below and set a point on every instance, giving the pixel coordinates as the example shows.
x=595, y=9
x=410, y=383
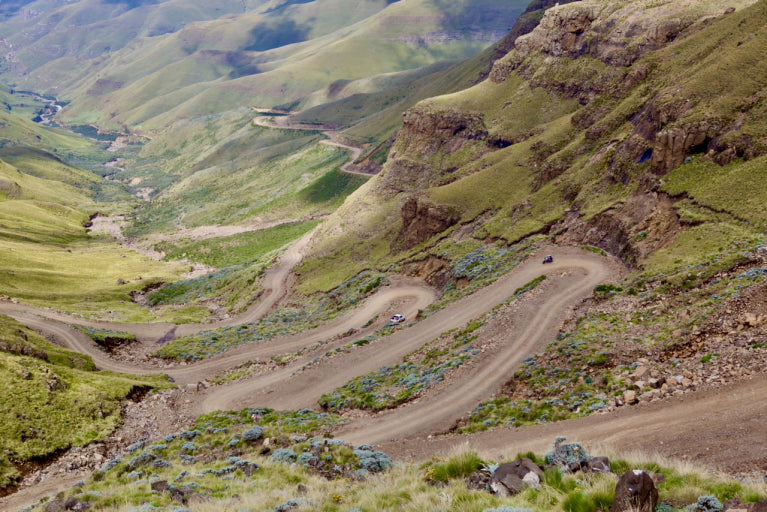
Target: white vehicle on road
x=397, y=319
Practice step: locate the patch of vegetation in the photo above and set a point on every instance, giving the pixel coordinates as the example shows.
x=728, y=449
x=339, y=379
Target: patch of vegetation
x=733, y=189
x=392, y=386
x=236, y=249
x=332, y=188
x=458, y=467
x=607, y=289
x=303, y=421
x=595, y=250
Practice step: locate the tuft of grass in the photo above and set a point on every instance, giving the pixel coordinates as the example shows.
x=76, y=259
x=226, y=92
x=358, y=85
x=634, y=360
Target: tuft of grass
x=459, y=466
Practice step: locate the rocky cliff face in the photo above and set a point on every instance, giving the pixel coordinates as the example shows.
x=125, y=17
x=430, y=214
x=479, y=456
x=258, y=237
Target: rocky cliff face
x=616, y=33
x=592, y=51
x=416, y=160
x=580, y=122
x=422, y=220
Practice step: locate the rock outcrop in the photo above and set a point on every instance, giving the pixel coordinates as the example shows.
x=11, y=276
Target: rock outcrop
x=514, y=477
x=426, y=133
x=426, y=130
x=560, y=33
x=421, y=220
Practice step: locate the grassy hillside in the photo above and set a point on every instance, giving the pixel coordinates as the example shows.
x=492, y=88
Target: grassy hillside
x=226, y=462
x=226, y=170
x=59, y=400
x=103, y=27
x=48, y=257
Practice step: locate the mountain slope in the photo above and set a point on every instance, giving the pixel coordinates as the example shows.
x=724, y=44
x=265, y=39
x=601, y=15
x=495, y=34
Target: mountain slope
x=275, y=55
x=575, y=131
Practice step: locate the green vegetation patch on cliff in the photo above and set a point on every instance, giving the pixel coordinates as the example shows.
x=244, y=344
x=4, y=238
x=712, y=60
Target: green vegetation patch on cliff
x=737, y=188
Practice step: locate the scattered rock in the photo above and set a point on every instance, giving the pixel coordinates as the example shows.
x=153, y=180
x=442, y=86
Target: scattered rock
x=55, y=506
x=518, y=475
x=479, y=481
x=599, y=465
x=161, y=486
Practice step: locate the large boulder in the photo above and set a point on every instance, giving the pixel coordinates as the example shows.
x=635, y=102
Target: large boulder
x=635, y=492
x=516, y=476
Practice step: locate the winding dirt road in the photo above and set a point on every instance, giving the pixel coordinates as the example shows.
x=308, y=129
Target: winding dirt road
x=572, y=277
x=275, y=285
x=694, y=425
x=283, y=122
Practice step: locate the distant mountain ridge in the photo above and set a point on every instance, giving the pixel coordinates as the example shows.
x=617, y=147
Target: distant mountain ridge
x=147, y=66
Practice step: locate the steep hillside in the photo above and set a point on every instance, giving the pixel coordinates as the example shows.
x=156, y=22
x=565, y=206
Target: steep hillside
x=575, y=133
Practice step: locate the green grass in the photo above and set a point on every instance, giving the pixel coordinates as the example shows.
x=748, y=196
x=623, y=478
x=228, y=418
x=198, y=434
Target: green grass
x=714, y=246
x=60, y=401
x=107, y=338
x=331, y=188
x=235, y=249
x=458, y=467
x=82, y=277
x=735, y=189
x=47, y=258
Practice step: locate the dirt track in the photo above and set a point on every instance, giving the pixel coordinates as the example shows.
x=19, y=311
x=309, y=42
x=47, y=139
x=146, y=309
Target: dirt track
x=725, y=428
